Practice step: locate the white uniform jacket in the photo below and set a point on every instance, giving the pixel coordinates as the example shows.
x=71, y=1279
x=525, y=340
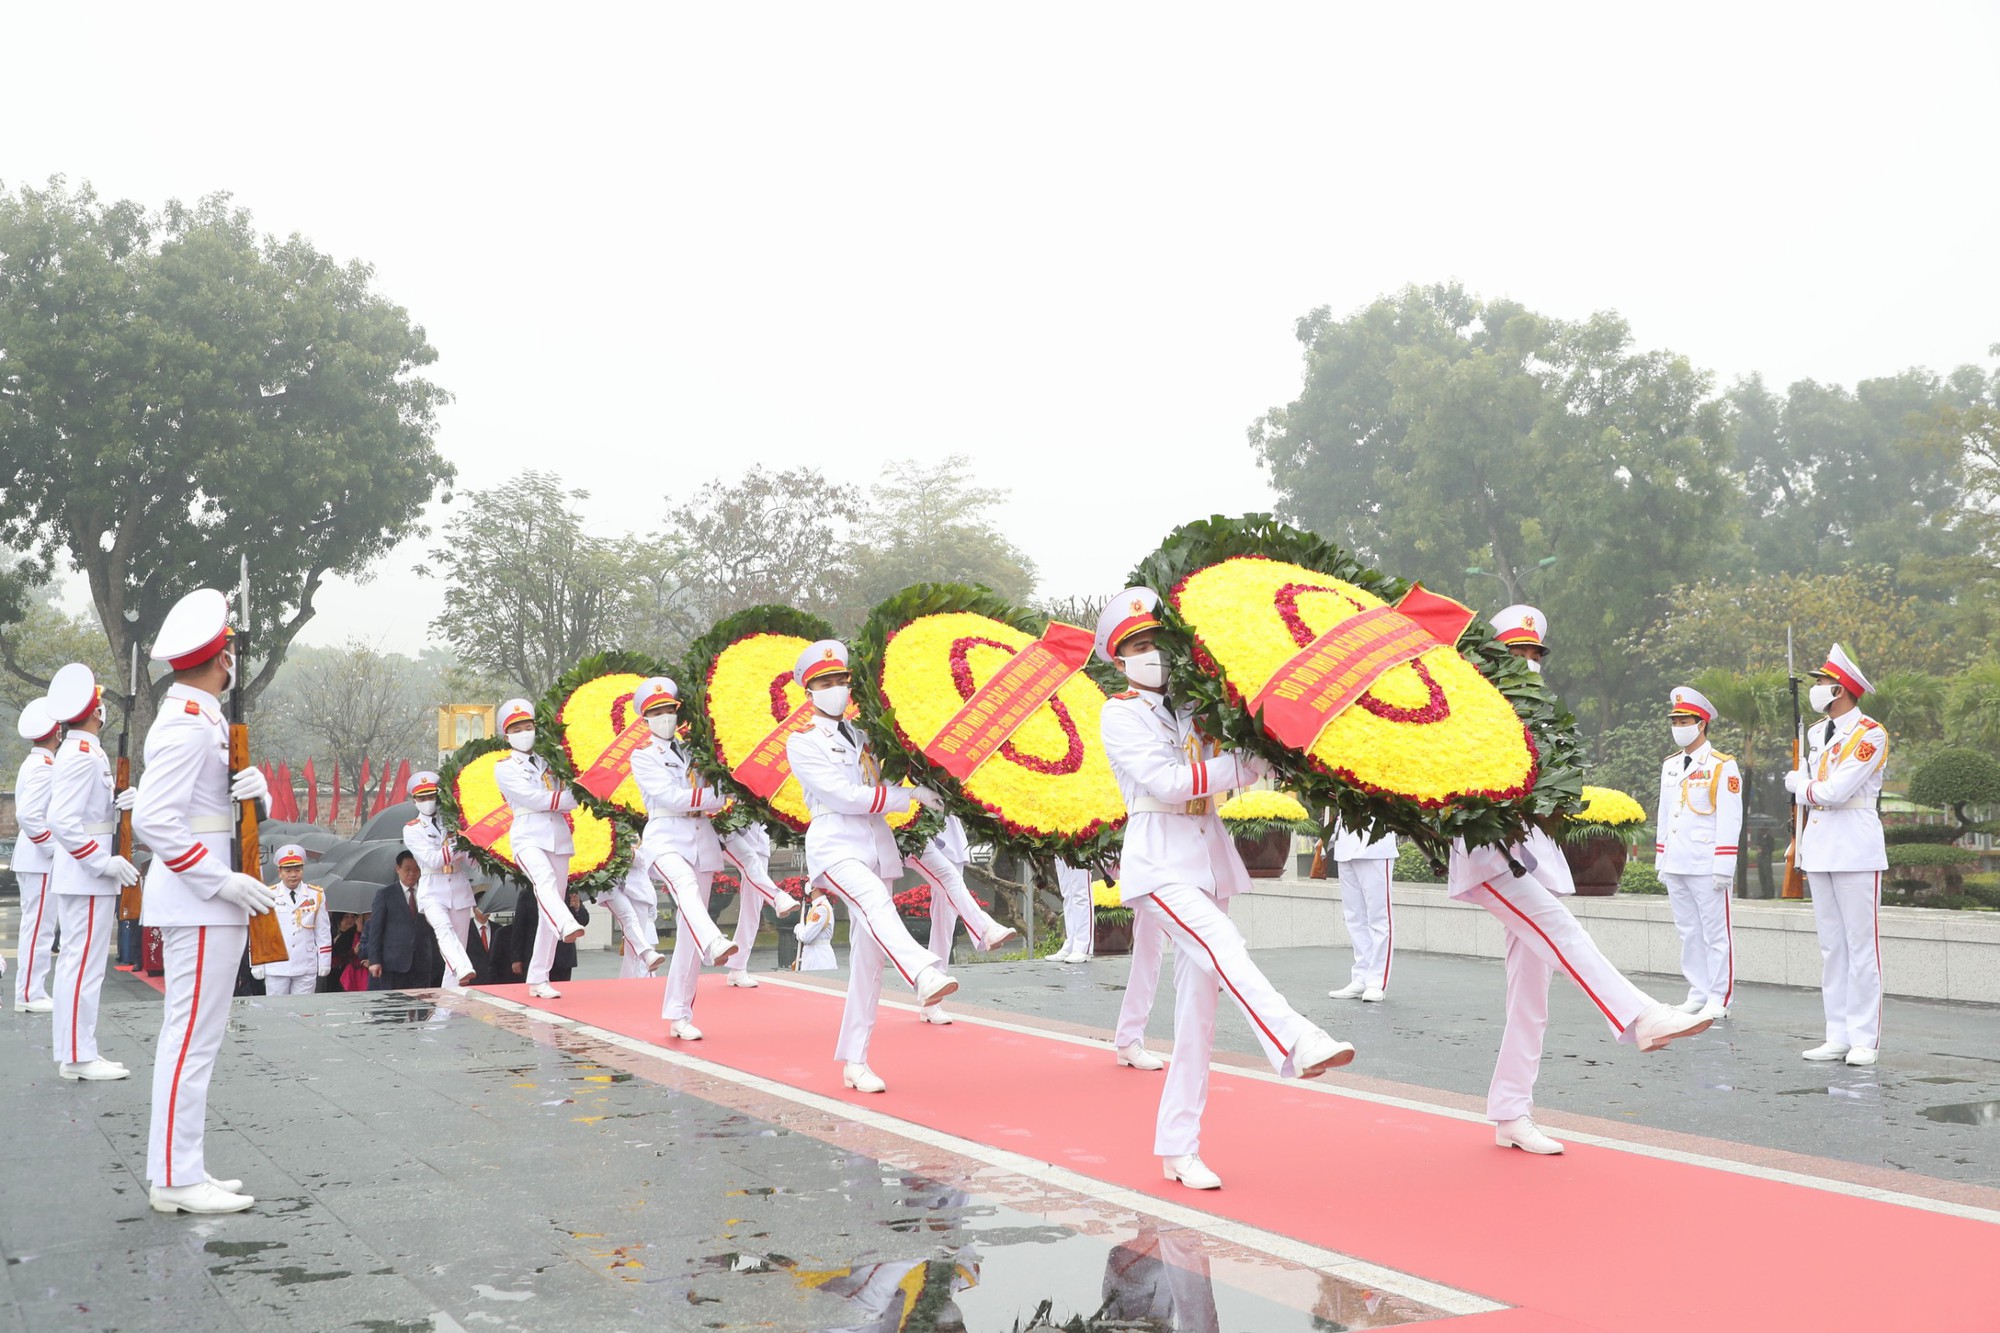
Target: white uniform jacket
x=847, y=800
x=1170, y=777
x=951, y=843
x=447, y=877
x=32, y=789
x=184, y=813
x=541, y=803
x=1843, y=829
x=303, y=917
x=1542, y=856
x=815, y=936
x=679, y=808
x=83, y=821
x=1348, y=845
x=1700, y=815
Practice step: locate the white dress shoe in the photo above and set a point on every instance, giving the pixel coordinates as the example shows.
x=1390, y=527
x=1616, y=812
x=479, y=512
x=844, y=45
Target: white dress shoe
x=544, y=991
x=36, y=1007
x=465, y=979
x=1351, y=991
x=933, y=984
x=95, y=1071
x=1319, y=1053
x=682, y=1030
x=1059, y=956
x=934, y=1014
x=862, y=1079
x=1136, y=1056
x=1006, y=936
x=785, y=904
x=1664, y=1023
x=1832, y=1050
x=719, y=951
x=1526, y=1135
x=207, y=1197
x=1078, y=958
x=652, y=958
x=227, y=1186
x=573, y=936
x=743, y=979
x=1191, y=1171
x=1861, y=1055
x=1713, y=1010
x=1691, y=1006
x=1374, y=995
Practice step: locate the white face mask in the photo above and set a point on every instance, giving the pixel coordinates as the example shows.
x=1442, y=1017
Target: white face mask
x=663, y=725
x=1821, y=697
x=99, y=714
x=1533, y=665
x=831, y=699
x=231, y=684
x=1685, y=733
x=1148, y=670
x=427, y=807
x=522, y=740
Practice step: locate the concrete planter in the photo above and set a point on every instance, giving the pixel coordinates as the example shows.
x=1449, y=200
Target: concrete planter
x=1596, y=865
x=1265, y=854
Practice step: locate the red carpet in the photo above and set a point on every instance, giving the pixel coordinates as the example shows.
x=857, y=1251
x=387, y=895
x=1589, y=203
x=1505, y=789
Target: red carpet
x=1596, y=1239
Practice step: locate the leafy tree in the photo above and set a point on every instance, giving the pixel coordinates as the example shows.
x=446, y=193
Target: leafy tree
x=931, y=525
x=177, y=391
x=768, y=537
x=1955, y=778
x=530, y=592
x=350, y=703
x=1972, y=705
x=32, y=648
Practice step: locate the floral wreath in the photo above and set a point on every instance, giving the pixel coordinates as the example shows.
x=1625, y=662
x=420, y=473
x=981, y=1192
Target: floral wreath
x=586, y=710
x=1049, y=789
x=1461, y=741
x=468, y=791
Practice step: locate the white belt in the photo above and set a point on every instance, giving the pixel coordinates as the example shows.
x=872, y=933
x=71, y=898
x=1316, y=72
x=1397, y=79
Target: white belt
x=99, y=830
x=1148, y=805
x=683, y=814
x=1858, y=803
x=213, y=823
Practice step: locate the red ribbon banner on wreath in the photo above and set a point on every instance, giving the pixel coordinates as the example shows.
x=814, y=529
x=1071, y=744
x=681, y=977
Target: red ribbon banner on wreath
x=615, y=765
x=1306, y=694
x=996, y=710
x=491, y=827
x=766, y=767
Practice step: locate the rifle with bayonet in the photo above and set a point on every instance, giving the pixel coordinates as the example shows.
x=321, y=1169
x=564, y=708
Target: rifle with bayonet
x=1795, y=879
x=131, y=895
x=267, y=938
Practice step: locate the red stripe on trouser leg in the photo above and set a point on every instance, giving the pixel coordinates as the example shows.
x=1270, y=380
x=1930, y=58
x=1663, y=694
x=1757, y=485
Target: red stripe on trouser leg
x=34, y=942
x=76, y=1002
x=1880, y=988
x=1573, y=976
x=187, y=1040
x=1216, y=964
x=857, y=913
x=1389, y=914
x=1729, y=951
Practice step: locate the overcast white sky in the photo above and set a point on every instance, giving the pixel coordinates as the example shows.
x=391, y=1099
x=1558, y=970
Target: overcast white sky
x=659, y=245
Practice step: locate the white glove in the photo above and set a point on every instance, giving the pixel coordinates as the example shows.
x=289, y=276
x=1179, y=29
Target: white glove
x=127, y=873
x=325, y=967
x=1725, y=884
x=257, y=973
x=927, y=798
x=248, y=893
x=249, y=785
x=1253, y=767
x=1796, y=780
x=126, y=799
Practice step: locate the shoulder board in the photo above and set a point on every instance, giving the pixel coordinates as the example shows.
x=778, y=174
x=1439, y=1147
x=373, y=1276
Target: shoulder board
x=411, y=824
x=193, y=708
x=48, y=758
x=1128, y=694
x=1722, y=758
x=83, y=747
x=1870, y=724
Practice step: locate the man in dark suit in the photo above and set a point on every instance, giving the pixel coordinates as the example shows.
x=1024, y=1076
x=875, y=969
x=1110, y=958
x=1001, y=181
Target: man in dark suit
x=402, y=948
x=521, y=936
x=486, y=945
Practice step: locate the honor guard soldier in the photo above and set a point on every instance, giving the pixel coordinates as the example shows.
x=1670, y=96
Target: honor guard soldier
x=1079, y=915
x=83, y=817
x=31, y=857
x=1363, y=865
x=749, y=850
x=942, y=864
x=1700, y=818
x=186, y=813
x=1541, y=937
x=851, y=852
x=541, y=840
x=444, y=893
x=1843, y=856
x=1180, y=868
x=308, y=933
x=815, y=934
x=679, y=851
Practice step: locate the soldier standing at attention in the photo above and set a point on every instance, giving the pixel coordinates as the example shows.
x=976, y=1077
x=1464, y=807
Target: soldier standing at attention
x=31, y=858
x=1363, y=865
x=303, y=916
x=1700, y=817
x=444, y=893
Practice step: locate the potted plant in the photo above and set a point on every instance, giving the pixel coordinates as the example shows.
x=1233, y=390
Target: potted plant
x=1597, y=839
x=1110, y=919
x=1263, y=822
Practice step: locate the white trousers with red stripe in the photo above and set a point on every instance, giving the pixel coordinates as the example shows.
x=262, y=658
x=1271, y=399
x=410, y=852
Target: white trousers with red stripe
x=548, y=872
x=1371, y=919
x=1846, y=906
x=1708, y=950
x=951, y=903
x=38, y=938
x=694, y=931
x=1079, y=921
x=1142, y=981
x=874, y=934
x=1542, y=939
x=200, y=977
x=635, y=905
x=87, y=921
x=757, y=892
x=1210, y=958
x=449, y=924
x=305, y=983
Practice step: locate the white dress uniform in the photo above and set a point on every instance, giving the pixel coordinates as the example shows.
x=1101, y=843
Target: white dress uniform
x=541, y=841
x=852, y=853
x=308, y=930
x=1843, y=855
x=1160, y=1278
x=1079, y=918
x=444, y=889
x=749, y=850
x=681, y=852
x=815, y=936
x=1699, y=820
x=84, y=823
x=942, y=864
x=1364, y=866
x=32, y=862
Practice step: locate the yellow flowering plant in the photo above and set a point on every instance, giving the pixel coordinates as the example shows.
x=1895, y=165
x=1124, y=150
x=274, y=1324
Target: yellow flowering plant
x=468, y=792
x=1251, y=814
x=1606, y=812
x=590, y=707
x=1459, y=740
x=1106, y=905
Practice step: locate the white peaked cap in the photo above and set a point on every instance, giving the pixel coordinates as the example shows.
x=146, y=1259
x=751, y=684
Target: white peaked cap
x=194, y=631
x=818, y=659
x=1123, y=616
x=72, y=694
x=35, y=721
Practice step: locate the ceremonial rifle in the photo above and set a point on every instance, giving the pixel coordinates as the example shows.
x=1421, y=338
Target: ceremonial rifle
x=129, y=894
x=267, y=938
x=1795, y=879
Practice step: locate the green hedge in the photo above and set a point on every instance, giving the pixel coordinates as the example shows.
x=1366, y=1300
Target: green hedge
x=1926, y=854
x=1920, y=833
x=1413, y=867
x=1640, y=877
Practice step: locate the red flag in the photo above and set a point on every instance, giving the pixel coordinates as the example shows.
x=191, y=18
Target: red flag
x=401, y=791
x=334, y=819
x=382, y=790
x=361, y=790
x=312, y=795
x=291, y=794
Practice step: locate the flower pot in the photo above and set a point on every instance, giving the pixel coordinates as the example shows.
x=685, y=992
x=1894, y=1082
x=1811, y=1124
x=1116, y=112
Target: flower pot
x=1110, y=936
x=1264, y=855
x=1596, y=864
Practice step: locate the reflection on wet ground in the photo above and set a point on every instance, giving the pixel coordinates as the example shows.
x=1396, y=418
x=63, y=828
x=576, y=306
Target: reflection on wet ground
x=1964, y=1113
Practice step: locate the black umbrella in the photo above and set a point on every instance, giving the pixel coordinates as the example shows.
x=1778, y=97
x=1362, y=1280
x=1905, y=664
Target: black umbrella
x=317, y=841
x=388, y=824
x=377, y=863
x=350, y=895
